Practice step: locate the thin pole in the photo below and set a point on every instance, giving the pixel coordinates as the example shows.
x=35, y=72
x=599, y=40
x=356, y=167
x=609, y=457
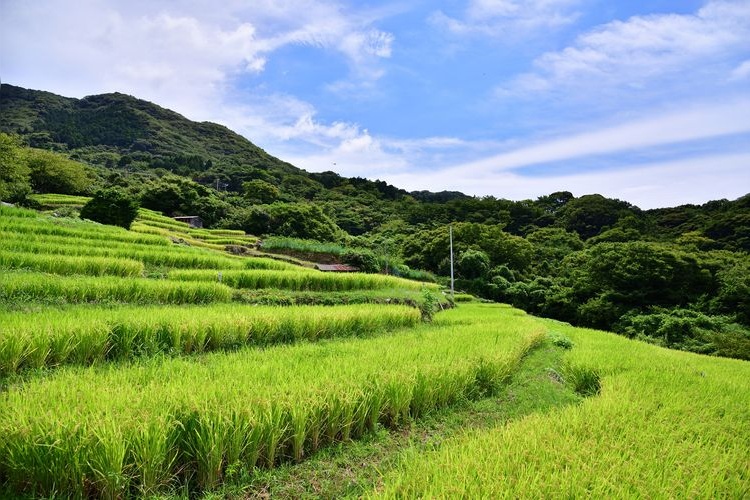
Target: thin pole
x=450, y=228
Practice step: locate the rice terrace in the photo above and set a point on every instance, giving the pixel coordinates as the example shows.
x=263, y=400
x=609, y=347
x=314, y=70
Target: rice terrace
x=331, y=249
x=129, y=370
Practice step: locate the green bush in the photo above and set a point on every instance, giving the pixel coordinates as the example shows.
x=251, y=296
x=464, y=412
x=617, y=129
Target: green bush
x=364, y=260
x=111, y=206
x=473, y=264
x=688, y=330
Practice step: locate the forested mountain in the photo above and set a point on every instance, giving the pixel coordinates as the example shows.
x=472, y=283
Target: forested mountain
x=675, y=276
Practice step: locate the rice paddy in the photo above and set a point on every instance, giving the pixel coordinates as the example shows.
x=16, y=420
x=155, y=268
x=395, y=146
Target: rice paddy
x=299, y=280
x=163, y=422
x=56, y=264
x=86, y=335
x=29, y=287
x=174, y=256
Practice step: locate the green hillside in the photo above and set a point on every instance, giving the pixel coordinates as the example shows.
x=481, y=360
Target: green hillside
x=677, y=277
x=119, y=123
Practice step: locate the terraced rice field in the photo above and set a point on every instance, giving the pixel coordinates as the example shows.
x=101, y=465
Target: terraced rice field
x=129, y=370
x=162, y=422
x=89, y=335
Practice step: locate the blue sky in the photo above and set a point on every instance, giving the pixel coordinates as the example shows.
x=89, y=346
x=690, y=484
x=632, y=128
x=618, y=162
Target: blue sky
x=646, y=101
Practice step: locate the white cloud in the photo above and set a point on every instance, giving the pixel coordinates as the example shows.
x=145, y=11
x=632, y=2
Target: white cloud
x=181, y=56
x=741, y=72
x=689, y=124
x=360, y=155
x=640, y=50
x=504, y=18
x=694, y=180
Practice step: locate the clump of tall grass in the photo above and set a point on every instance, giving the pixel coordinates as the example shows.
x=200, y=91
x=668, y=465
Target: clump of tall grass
x=65, y=265
x=162, y=423
x=304, y=246
x=19, y=286
x=6, y=211
x=86, y=335
x=299, y=280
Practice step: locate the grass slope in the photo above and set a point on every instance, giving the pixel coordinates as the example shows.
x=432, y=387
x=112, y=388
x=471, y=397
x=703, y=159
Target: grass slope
x=665, y=424
x=353, y=469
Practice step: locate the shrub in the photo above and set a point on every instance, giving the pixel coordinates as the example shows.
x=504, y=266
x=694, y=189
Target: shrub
x=111, y=206
x=473, y=264
x=364, y=260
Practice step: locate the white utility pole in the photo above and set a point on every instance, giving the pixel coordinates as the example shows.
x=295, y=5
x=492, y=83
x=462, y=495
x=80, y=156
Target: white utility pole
x=450, y=229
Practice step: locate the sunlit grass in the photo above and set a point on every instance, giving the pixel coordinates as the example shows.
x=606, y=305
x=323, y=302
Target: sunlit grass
x=164, y=422
x=21, y=286
x=664, y=424
x=87, y=335
x=299, y=280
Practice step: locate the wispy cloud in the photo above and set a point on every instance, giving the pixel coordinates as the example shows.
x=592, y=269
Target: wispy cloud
x=651, y=185
x=508, y=18
x=694, y=123
x=641, y=50
x=741, y=72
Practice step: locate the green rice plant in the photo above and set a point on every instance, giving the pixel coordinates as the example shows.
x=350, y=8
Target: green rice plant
x=270, y=264
x=56, y=264
x=463, y=297
x=148, y=216
x=139, y=227
x=79, y=229
x=299, y=280
x=175, y=256
x=6, y=211
x=172, y=225
x=223, y=240
x=217, y=232
x=15, y=240
x=15, y=286
x=304, y=246
x=60, y=200
x=250, y=407
x=87, y=335
x=657, y=423
x=151, y=455
x=178, y=234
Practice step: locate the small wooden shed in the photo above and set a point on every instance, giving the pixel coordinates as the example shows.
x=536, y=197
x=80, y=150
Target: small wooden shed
x=336, y=268
x=190, y=220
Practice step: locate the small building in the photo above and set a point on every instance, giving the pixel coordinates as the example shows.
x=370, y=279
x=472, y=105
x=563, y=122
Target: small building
x=336, y=268
x=190, y=220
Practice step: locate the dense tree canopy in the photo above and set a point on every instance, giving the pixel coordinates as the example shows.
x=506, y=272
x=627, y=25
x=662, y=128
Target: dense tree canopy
x=14, y=172
x=54, y=173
